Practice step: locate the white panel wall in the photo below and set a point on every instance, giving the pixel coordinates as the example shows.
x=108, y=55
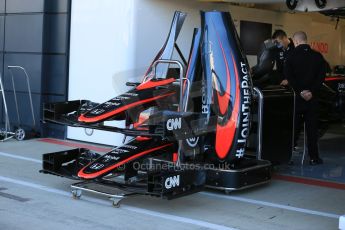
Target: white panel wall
x=102, y=38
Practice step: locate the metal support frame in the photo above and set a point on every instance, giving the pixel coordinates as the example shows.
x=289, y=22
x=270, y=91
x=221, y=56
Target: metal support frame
x=260, y=97
x=19, y=133
x=304, y=144
x=305, y=139
x=293, y=133
x=182, y=104
x=29, y=92
x=293, y=121
x=7, y=129
x=115, y=198
x=293, y=127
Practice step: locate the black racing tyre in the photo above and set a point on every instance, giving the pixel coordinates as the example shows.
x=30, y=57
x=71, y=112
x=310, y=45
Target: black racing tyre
x=321, y=3
x=291, y=4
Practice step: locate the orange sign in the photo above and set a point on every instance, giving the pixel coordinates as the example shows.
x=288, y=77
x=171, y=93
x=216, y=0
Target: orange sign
x=322, y=47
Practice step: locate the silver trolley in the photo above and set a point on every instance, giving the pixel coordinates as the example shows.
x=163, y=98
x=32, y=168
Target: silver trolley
x=18, y=133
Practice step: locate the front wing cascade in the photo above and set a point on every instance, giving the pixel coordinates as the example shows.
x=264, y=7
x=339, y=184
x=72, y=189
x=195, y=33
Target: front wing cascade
x=84, y=164
x=165, y=124
x=157, y=175
x=67, y=113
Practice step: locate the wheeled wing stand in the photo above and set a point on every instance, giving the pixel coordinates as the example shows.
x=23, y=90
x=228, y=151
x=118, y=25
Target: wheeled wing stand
x=19, y=132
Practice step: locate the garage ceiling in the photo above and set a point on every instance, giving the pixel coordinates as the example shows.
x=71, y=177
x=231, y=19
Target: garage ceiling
x=335, y=9
x=303, y=5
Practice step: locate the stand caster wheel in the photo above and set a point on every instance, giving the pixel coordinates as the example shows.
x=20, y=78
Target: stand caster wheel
x=116, y=203
x=76, y=194
x=19, y=134
x=227, y=192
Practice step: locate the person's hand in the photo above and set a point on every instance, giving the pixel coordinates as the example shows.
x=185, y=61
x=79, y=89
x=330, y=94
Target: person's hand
x=306, y=95
x=284, y=82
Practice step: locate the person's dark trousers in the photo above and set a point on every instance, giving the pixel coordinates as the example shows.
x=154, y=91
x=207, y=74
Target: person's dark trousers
x=307, y=111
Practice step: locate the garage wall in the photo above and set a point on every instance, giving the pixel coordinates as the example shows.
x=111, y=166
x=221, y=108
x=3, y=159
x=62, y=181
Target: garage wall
x=164, y=9
x=34, y=34
x=318, y=32
x=329, y=41
x=102, y=45
x=112, y=43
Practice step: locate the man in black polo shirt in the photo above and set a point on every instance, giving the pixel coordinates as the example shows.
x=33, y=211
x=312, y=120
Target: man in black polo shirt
x=285, y=46
x=305, y=70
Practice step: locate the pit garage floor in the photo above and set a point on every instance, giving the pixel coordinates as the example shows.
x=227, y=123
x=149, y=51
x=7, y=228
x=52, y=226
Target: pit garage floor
x=31, y=200
x=332, y=151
